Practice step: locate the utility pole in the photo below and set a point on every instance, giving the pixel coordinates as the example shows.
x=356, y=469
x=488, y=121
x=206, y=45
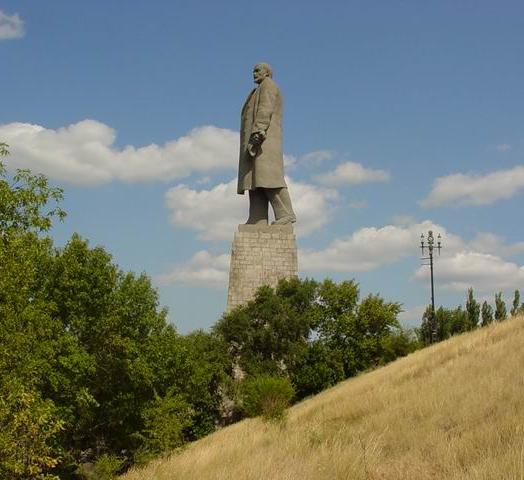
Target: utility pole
x=430, y=246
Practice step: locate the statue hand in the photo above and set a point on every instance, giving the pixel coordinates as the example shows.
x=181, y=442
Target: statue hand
x=257, y=139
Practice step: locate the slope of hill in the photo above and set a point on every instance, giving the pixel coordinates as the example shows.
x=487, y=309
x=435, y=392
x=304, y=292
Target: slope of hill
x=452, y=411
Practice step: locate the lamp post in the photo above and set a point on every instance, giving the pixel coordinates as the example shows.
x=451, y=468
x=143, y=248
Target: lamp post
x=430, y=246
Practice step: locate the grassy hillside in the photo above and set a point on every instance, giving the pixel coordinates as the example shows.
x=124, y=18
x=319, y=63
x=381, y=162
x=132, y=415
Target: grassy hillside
x=452, y=411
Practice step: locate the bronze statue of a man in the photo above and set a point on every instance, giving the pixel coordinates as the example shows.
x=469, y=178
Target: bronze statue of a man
x=261, y=162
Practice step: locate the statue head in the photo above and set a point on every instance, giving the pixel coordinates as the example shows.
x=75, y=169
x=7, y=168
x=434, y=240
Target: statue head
x=261, y=71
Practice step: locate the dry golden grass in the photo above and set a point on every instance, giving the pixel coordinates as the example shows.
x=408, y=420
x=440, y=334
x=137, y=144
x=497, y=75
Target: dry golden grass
x=452, y=411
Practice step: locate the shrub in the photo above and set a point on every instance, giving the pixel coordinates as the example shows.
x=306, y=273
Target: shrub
x=267, y=396
x=106, y=467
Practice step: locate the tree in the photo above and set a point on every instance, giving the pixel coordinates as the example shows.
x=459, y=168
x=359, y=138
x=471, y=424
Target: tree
x=500, y=308
x=487, y=314
x=473, y=311
x=449, y=322
x=516, y=307
x=316, y=334
x=320, y=367
x=209, y=370
x=24, y=201
x=29, y=429
x=399, y=343
x=268, y=335
x=164, y=423
x=30, y=423
x=425, y=332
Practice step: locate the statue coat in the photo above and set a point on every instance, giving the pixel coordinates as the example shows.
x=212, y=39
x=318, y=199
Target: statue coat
x=262, y=113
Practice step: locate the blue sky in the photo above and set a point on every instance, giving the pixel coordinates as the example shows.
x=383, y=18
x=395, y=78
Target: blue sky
x=399, y=117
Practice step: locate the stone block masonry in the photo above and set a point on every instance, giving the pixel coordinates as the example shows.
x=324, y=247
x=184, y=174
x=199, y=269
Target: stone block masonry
x=261, y=255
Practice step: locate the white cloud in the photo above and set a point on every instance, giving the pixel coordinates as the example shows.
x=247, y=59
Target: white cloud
x=479, y=264
x=370, y=248
x=204, y=269
x=351, y=173
x=486, y=242
x=403, y=220
x=503, y=147
x=11, y=26
x=483, y=272
x=84, y=153
x=317, y=157
x=470, y=189
x=215, y=213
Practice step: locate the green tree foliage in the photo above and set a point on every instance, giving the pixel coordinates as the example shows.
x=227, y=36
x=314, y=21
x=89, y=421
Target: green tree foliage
x=449, y=322
x=453, y=321
x=500, y=308
x=106, y=467
x=164, y=423
x=427, y=327
x=270, y=333
x=487, y=314
x=104, y=374
x=29, y=427
x=210, y=370
x=516, y=306
x=314, y=333
x=398, y=343
x=319, y=367
x=93, y=341
x=24, y=201
x=472, y=311
x=29, y=422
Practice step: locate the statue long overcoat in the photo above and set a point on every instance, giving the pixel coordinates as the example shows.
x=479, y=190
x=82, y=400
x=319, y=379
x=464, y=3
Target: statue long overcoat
x=262, y=112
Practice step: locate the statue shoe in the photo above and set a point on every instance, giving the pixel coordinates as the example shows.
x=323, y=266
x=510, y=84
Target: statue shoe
x=285, y=220
x=260, y=221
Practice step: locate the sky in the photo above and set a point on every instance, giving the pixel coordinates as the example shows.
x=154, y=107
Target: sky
x=399, y=118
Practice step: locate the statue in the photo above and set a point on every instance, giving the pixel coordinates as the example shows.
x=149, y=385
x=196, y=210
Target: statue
x=261, y=162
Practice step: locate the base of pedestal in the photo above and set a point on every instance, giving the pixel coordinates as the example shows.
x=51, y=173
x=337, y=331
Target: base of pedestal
x=261, y=255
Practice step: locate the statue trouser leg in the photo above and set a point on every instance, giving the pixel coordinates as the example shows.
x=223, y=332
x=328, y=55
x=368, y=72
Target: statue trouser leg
x=258, y=207
x=281, y=203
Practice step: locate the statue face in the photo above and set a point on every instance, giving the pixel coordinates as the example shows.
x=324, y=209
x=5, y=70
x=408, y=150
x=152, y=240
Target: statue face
x=259, y=73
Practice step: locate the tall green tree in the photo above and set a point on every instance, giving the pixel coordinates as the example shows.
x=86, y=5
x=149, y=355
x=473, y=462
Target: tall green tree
x=99, y=364
x=30, y=423
x=487, y=314
x=473, y=311
x=516, y=306
x=500, y=308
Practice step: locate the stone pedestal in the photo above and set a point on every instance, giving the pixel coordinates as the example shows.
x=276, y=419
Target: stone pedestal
x=261, y=255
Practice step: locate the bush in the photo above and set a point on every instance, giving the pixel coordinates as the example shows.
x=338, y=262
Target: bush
x=267, y=396
x=106, y=467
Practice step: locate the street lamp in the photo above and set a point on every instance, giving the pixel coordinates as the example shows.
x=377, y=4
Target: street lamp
x=430, y=246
